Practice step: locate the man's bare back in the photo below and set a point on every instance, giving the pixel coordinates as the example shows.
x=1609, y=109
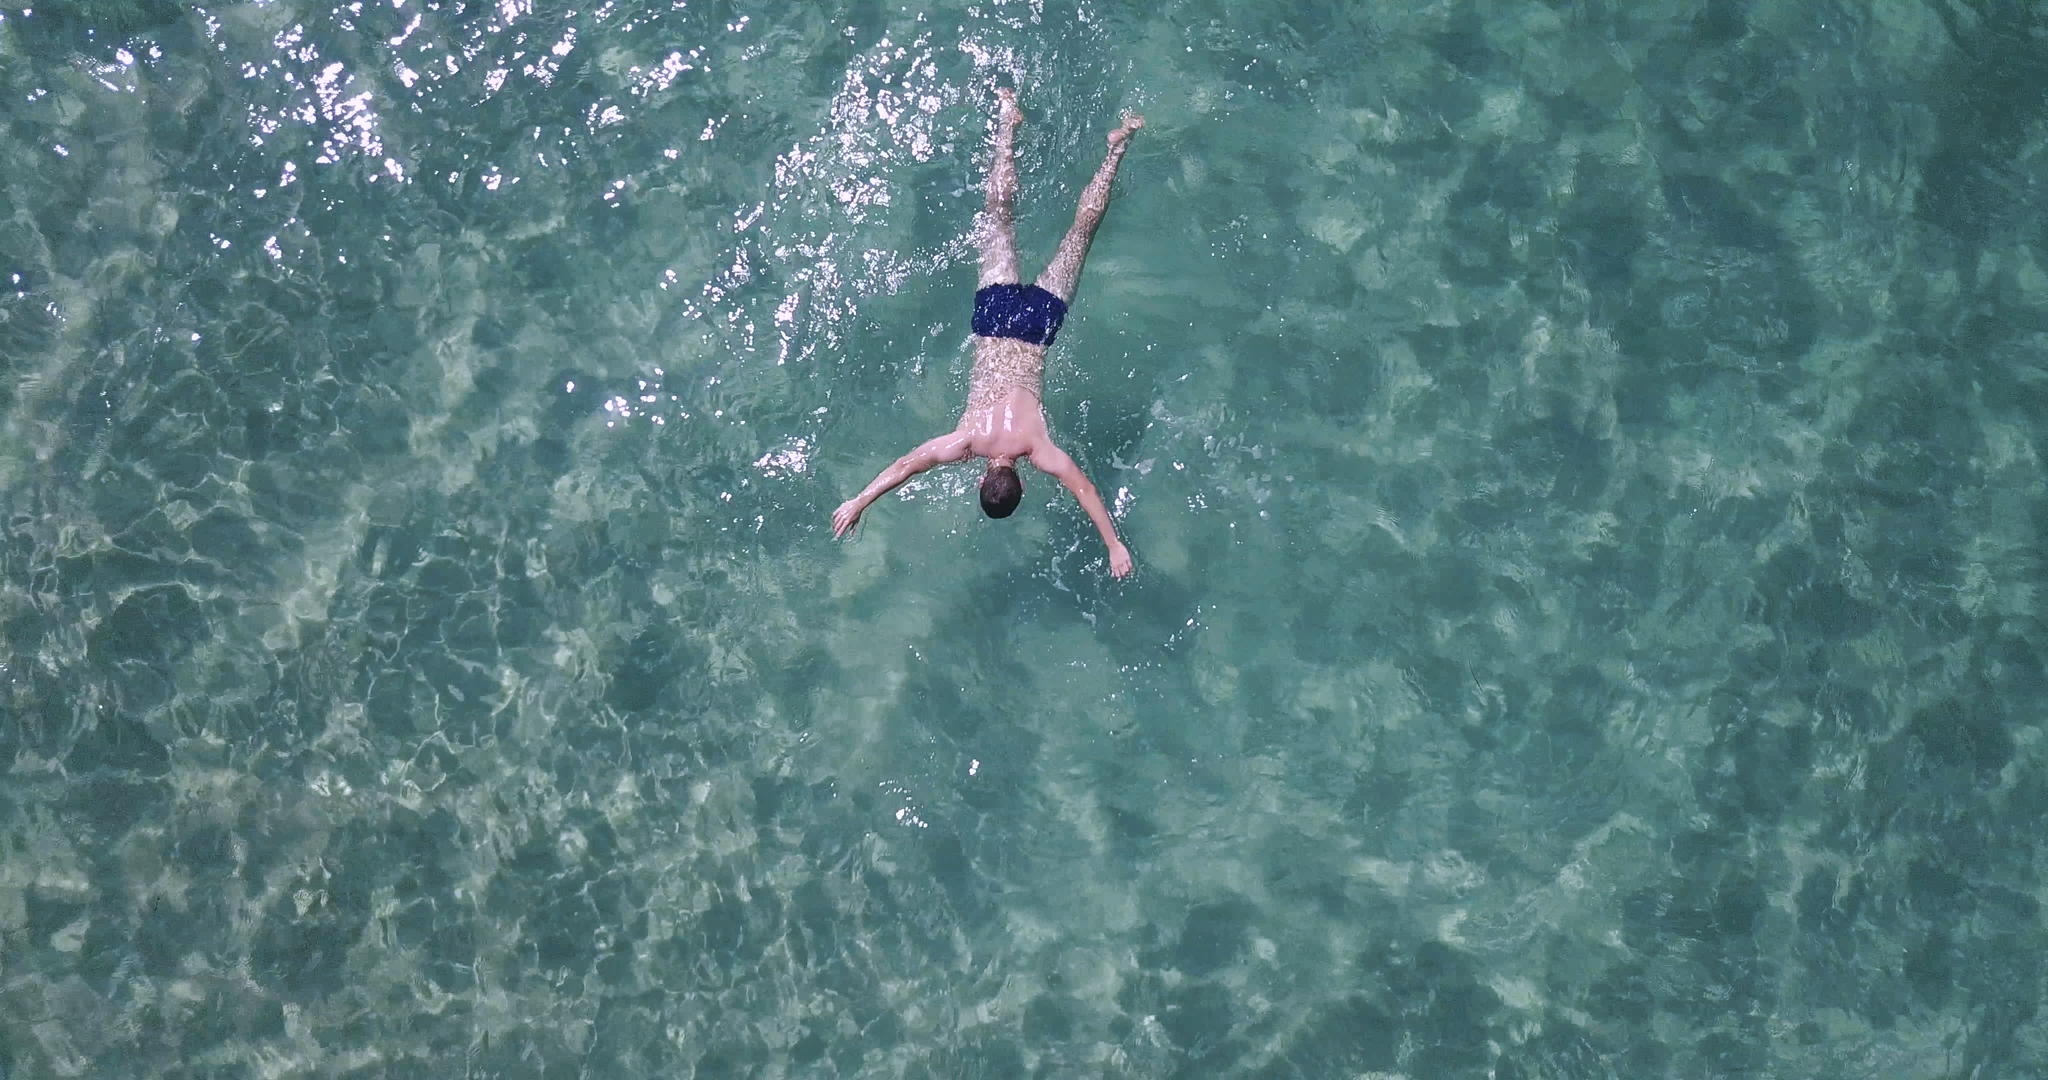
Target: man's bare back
x=1014, y=324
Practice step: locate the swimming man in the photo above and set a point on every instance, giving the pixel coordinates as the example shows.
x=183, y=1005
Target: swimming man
x=1014, y=323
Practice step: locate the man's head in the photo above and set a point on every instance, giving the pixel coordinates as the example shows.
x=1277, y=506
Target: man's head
x=1001, y=489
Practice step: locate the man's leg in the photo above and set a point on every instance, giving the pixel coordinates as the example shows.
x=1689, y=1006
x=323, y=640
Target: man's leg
x=995, y=230
x=1060, y=277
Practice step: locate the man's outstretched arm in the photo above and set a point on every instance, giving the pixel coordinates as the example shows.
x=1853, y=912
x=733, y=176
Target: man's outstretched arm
x=951, y=446
x=1054, y=461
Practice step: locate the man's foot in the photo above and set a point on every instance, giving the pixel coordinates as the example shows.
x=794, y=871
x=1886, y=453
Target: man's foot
x=1011, y=114
x=1132, y=122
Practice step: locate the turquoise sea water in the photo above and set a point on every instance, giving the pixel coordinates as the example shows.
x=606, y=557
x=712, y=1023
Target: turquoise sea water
x=1583, y=460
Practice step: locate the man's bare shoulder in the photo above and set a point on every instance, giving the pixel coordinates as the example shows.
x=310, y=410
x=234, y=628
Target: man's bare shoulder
x=1046, y=456
x=952, y=446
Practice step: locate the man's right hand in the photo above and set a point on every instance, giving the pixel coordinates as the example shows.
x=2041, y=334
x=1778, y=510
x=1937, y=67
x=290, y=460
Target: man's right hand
x=846, y=517
x=1119, y=561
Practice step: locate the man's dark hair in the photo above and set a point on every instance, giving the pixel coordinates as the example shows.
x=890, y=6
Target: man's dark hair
x=1000, y=491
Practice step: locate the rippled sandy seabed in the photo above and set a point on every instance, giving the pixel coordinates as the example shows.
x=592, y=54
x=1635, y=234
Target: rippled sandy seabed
x=1583, y=461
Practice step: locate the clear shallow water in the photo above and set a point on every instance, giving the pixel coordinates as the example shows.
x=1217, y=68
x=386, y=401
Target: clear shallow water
x=1583, y=462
